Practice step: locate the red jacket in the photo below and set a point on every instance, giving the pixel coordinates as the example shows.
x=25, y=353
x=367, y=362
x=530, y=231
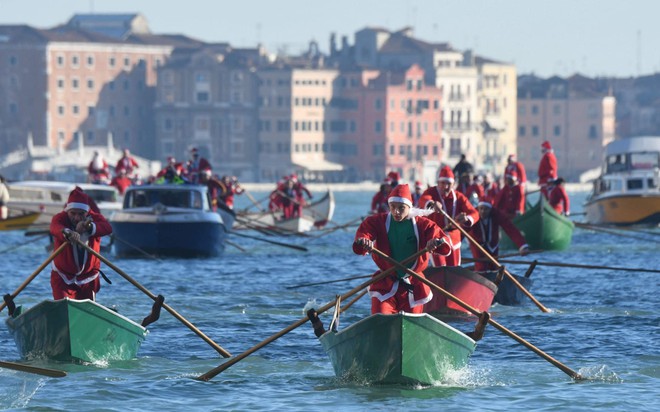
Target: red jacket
x=487, y=234
x=67, y=264
x=375, y=227
x=547, y=168
x=558, y=199
x=511, y=201
x=518, y=168
x=379, y=202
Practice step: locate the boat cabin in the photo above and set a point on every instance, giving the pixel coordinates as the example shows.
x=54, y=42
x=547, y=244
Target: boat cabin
x=175, y=196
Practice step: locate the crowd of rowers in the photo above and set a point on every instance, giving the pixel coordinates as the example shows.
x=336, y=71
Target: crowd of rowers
x=437, y=217
x=196, y=170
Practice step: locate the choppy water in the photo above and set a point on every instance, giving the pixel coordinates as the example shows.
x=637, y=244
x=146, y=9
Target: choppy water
x=604, y=324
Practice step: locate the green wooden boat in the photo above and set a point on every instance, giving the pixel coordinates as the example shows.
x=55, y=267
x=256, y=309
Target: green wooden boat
x=75, y=330
x=543, y=228
x=403, y=348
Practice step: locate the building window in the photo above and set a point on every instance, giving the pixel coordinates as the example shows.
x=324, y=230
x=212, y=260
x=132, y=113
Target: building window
x=75, y=60
x=112, y=62
x=90, y=84
x=454, y=147
x=593, y=131
x=377, y=104
x=535, y=131
x=535, y=109
x=75, y=109
x=522, y=110
x=60, y=60
x=60, y=83
x=90, y=61
x=127, y=62
x=60, y=110
x=74, y=83
x=90, y=136
x=91, y=110
x=521, y=131
x=202, y=97
x=556, y=130
x=556, y=109
x=378, y=127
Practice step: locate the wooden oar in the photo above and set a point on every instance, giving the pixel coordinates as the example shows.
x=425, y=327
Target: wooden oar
x=495, y=262
x=149, y=255
x=608, y=231
x=573, y=265
x=327, y=282
x=476, y=312
x=301, y=248
x=53, y=373
x=174, y=313
x=215, y=371
x=35, y=273
x=252, y=199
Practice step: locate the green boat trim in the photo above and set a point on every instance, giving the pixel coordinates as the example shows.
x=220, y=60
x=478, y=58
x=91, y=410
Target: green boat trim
x=542, y=227
x=402, y=348
x=75, y=331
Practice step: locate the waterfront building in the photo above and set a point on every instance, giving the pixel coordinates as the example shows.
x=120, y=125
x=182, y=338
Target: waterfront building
x=576, y=115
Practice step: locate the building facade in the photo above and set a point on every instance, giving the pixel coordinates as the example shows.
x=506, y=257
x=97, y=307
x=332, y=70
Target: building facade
x=576, y=115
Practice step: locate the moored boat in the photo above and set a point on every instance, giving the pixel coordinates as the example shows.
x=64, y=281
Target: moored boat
x=402, y=348
x=170, y=220
x=468, y=286
x=542, y=227
x=19, y=222
x=628, y=189
x=75, y=330
x=49, y=198
x=315, y=214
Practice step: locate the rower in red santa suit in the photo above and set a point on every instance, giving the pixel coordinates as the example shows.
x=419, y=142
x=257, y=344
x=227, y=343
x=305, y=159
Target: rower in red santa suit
x=513, y=165
x=487, y=233
x=547, y=167
x=456, y=205
x=400, y=233
x=75, y=271
x=511, y=199
x=558, y=198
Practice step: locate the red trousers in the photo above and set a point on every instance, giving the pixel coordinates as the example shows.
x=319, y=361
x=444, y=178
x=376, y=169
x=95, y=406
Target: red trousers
x=397, y=303
x=61, y=290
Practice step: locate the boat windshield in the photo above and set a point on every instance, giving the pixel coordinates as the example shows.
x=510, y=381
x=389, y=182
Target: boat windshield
x=170, y=198
x=632, y=161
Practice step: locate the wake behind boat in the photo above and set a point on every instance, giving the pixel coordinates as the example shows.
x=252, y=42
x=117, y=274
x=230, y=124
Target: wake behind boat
x=75, y=330
x=403, y=348
x=170, y=220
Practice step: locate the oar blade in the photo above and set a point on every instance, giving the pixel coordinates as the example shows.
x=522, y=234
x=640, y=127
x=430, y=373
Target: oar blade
x=53, y=373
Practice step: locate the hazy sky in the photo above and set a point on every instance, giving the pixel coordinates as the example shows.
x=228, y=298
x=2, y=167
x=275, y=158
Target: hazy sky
x=592, y=37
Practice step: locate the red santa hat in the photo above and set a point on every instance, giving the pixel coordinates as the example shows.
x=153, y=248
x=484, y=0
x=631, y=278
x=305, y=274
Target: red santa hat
x=511, y=157
x=400, y=194
x=512, y=175
x=77, y=200
x=206, y=172
x=394, y=175
x=546, y=145
x=418, y=184
x=293, y=177
x=171, y=159
x=446, y=175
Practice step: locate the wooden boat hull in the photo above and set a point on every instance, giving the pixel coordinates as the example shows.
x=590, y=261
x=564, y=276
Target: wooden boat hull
x=507, y=292
x=316, y=214
x=19, y=222
x=75, y=330
x=543, y=228
x=468, y=286
x=402, y=348
x=624, y=209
